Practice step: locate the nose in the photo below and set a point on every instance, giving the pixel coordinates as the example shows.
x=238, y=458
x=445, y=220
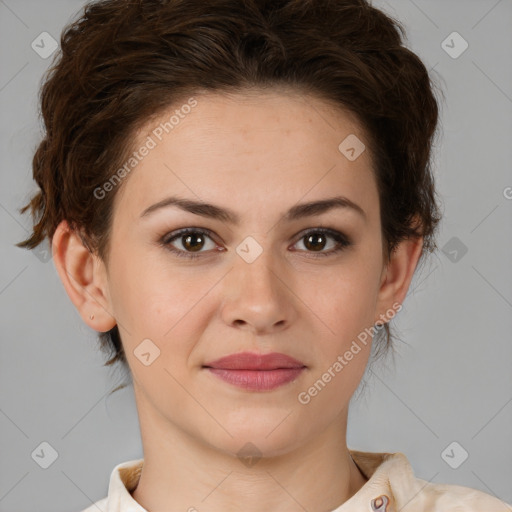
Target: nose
x=258, y=296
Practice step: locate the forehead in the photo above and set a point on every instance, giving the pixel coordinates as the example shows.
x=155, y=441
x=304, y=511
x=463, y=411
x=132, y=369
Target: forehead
x=250, y=149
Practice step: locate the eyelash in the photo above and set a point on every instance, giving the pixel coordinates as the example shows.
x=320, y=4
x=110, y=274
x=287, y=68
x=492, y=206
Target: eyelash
x=342, y=241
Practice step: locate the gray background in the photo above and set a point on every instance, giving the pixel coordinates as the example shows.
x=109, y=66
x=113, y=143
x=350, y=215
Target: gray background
x=452, y=379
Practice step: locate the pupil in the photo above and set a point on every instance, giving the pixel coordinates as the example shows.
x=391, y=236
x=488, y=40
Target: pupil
x=313, y=237
x=188, y=239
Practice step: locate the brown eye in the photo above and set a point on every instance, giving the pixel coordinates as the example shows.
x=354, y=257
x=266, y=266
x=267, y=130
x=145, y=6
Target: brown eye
x=317, y=239
x=191, y=241
x=315, y=242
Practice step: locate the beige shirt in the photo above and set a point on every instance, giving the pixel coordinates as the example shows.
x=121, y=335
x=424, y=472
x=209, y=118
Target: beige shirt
x=391, y=487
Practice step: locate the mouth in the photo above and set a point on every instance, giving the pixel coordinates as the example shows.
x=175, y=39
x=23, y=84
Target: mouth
x=257, y=380
x=255, y=361
x=256, y=372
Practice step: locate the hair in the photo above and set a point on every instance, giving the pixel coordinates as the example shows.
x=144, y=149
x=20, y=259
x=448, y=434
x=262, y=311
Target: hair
x=124, y=62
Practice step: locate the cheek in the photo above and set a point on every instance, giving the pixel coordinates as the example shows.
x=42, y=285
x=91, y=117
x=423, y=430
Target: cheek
x=344, y=299
x=141, y=297
x=343, y=306
x=342, y=352
x=153, y=300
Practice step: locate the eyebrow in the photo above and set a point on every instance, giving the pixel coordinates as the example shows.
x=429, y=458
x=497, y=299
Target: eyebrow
x=296, y=212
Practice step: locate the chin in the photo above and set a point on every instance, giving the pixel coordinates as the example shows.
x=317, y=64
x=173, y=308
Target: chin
x=256, y=440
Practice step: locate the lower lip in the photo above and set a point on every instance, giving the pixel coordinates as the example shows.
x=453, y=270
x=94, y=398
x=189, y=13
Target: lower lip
x=257, y=380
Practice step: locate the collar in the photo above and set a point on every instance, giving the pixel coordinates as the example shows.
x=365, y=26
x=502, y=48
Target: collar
x=391, y=487
x=389, y=476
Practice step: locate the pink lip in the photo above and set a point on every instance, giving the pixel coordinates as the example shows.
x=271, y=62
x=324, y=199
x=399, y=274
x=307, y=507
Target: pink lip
x=256, y=372
x=253, y=361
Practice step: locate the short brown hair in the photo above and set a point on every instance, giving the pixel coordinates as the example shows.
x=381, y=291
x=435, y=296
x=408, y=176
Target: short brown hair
x=122, y=62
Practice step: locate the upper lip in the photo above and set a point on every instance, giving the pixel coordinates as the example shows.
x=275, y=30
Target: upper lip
x=254, y=361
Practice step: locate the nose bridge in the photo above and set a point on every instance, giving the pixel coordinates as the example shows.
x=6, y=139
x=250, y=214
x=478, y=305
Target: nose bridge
x=256, y=293
x=255, y=265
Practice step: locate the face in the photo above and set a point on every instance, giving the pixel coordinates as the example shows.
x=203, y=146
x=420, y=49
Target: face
x=188, y=286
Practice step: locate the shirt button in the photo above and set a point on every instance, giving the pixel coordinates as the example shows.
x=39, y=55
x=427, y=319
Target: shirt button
x=380, y=504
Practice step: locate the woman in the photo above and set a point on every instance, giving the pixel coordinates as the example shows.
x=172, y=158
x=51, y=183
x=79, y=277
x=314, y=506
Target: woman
x=238, y=194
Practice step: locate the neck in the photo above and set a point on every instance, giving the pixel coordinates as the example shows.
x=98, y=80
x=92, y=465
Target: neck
x=182, y=472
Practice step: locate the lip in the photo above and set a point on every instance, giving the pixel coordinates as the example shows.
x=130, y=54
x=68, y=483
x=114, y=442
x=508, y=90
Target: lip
x=256, y=372
x=254, y=361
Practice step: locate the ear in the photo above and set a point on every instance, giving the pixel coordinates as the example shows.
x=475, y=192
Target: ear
x=84, y=277
x=397, y=275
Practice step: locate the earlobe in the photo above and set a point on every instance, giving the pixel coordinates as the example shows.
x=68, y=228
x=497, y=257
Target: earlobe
x=83, y=277
x=398, y=274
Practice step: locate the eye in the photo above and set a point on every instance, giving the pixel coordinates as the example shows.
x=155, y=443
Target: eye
x=315, y=240
x=192, y=241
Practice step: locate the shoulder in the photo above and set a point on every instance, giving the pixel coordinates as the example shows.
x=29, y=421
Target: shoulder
x=440, y=497
x=392, y=486
x=416, y=494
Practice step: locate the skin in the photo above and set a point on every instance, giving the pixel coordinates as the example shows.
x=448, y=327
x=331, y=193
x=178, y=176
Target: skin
x=258, y=155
